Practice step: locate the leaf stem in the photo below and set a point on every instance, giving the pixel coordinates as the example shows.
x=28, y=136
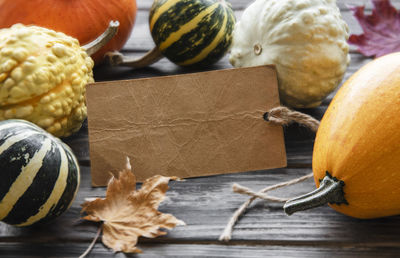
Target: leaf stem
x=89, y=249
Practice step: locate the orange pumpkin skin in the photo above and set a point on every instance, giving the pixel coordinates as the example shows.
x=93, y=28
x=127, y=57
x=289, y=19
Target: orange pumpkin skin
x=81, y=19
x=358, y=140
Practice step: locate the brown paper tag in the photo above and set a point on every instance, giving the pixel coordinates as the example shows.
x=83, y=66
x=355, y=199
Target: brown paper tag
x=187, y=125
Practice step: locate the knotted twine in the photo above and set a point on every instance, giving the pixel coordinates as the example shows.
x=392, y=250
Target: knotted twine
x=281, y=116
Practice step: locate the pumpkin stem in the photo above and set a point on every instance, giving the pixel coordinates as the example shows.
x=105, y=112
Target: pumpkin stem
x=330, y=191
x=103, y=39
x=117, y=59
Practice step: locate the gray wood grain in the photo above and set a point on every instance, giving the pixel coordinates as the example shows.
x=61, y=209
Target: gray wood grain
x=241, y=4
x=195, y=250
x=206, y=203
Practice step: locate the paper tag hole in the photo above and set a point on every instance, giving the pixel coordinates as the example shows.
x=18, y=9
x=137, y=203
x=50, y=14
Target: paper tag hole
x=265, y=116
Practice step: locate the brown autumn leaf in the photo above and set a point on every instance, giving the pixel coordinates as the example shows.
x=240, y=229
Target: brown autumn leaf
x=127, y=213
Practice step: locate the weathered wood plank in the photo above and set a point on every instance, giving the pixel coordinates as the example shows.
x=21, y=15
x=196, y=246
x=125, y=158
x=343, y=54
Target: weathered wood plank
x=204, y=250
x=206, y=203
x=241, y=4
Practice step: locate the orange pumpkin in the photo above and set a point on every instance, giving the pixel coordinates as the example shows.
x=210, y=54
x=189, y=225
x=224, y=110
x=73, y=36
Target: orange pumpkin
x=81, y=19
x=357, y=147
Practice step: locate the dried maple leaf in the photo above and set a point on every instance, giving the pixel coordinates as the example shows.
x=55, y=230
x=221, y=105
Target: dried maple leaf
x=127, y=213
x=381, y=29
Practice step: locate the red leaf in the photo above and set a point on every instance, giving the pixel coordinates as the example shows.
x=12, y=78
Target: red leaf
x=381, y=29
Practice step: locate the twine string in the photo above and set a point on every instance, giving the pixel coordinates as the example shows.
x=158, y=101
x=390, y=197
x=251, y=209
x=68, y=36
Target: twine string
x=247, y=191
x=282, y=116
x=285, y=116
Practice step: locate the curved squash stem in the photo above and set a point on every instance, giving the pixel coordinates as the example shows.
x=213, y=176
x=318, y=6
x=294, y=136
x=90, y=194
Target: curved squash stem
x=89, y=249
x=117, y=59
x=103, y=39
x=330, y=190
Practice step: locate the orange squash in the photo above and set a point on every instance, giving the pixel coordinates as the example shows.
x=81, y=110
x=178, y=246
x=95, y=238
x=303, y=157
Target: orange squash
x=81, y=19
x=357, y=148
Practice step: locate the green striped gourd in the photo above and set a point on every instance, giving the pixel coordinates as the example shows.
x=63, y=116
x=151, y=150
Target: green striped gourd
x=39, y=174
x=190, y=32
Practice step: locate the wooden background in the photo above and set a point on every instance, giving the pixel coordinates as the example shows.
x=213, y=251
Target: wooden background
x=206, y=203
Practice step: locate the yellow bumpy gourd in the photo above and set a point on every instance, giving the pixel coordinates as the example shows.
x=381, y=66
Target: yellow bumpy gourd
x=43, y=75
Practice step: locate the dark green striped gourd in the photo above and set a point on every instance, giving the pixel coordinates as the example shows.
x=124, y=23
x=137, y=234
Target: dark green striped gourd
x=190, y=32
x=39, y=174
